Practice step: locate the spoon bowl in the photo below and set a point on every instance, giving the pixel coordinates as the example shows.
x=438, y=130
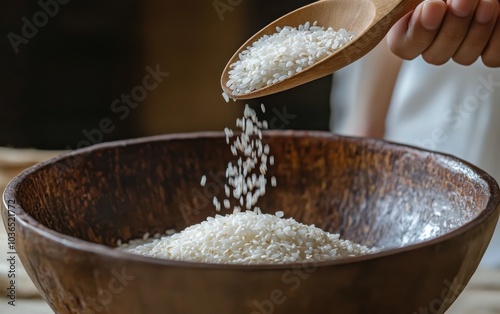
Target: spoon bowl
x=370, y=20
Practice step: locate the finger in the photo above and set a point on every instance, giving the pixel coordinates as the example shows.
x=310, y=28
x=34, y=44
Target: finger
x=452, y=32
x=491, y=55
x=479, y=33
x=415, y=32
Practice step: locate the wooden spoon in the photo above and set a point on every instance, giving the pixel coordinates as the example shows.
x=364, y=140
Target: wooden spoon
x=369, y=19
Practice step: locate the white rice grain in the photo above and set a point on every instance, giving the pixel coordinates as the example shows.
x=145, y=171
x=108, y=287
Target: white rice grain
x=170, y=232
x=274, y=58
x=249, y=238
x=246, y=237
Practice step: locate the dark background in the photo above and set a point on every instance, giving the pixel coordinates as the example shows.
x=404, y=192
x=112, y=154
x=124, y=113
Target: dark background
x=65, y=78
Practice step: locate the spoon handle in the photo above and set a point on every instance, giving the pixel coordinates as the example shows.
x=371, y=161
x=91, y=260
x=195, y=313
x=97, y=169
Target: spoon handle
x=390, y=11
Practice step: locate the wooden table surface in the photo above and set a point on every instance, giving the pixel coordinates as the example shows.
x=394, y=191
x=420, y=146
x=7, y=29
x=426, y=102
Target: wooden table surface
x=482, y=296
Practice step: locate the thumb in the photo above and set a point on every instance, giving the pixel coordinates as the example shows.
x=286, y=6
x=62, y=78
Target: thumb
x=415, y=32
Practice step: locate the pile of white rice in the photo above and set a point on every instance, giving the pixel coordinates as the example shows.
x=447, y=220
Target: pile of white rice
x=248, y=238
x=274, y=58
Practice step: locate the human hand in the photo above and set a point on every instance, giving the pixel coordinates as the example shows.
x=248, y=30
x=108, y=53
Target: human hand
x=440, y=30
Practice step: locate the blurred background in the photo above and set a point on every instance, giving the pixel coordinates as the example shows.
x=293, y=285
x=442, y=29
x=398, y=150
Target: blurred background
x=72, y=72
x=75, y=73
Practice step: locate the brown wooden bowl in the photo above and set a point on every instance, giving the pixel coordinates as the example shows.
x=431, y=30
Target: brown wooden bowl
x=432, y=214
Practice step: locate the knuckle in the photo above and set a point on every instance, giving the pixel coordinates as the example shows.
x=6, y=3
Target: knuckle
x=491, y=56
x=490, y=60
x=465, y=60
x=404, y=52
x=422, y=41
x=407, y=55
x=453, y=37
x=433, y=59
x=411, y=49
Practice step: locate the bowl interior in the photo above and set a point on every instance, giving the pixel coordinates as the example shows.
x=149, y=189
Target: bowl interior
x=372, y=192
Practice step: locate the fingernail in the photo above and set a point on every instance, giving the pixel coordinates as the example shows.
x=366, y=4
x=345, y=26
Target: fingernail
x=432, y=15
x=462, y=8
x=485, y=11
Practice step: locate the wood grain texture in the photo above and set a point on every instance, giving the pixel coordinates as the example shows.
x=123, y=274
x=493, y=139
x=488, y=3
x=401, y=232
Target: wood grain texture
x=433, y=216
x=369, y=19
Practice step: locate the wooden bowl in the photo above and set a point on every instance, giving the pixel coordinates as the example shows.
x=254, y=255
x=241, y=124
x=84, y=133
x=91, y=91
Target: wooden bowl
x=432, y=214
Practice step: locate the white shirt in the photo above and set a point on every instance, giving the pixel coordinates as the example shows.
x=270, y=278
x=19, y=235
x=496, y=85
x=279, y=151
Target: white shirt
x=450, y=108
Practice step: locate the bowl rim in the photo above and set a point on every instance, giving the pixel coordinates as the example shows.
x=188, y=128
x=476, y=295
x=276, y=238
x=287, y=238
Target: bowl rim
x=448, y=160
